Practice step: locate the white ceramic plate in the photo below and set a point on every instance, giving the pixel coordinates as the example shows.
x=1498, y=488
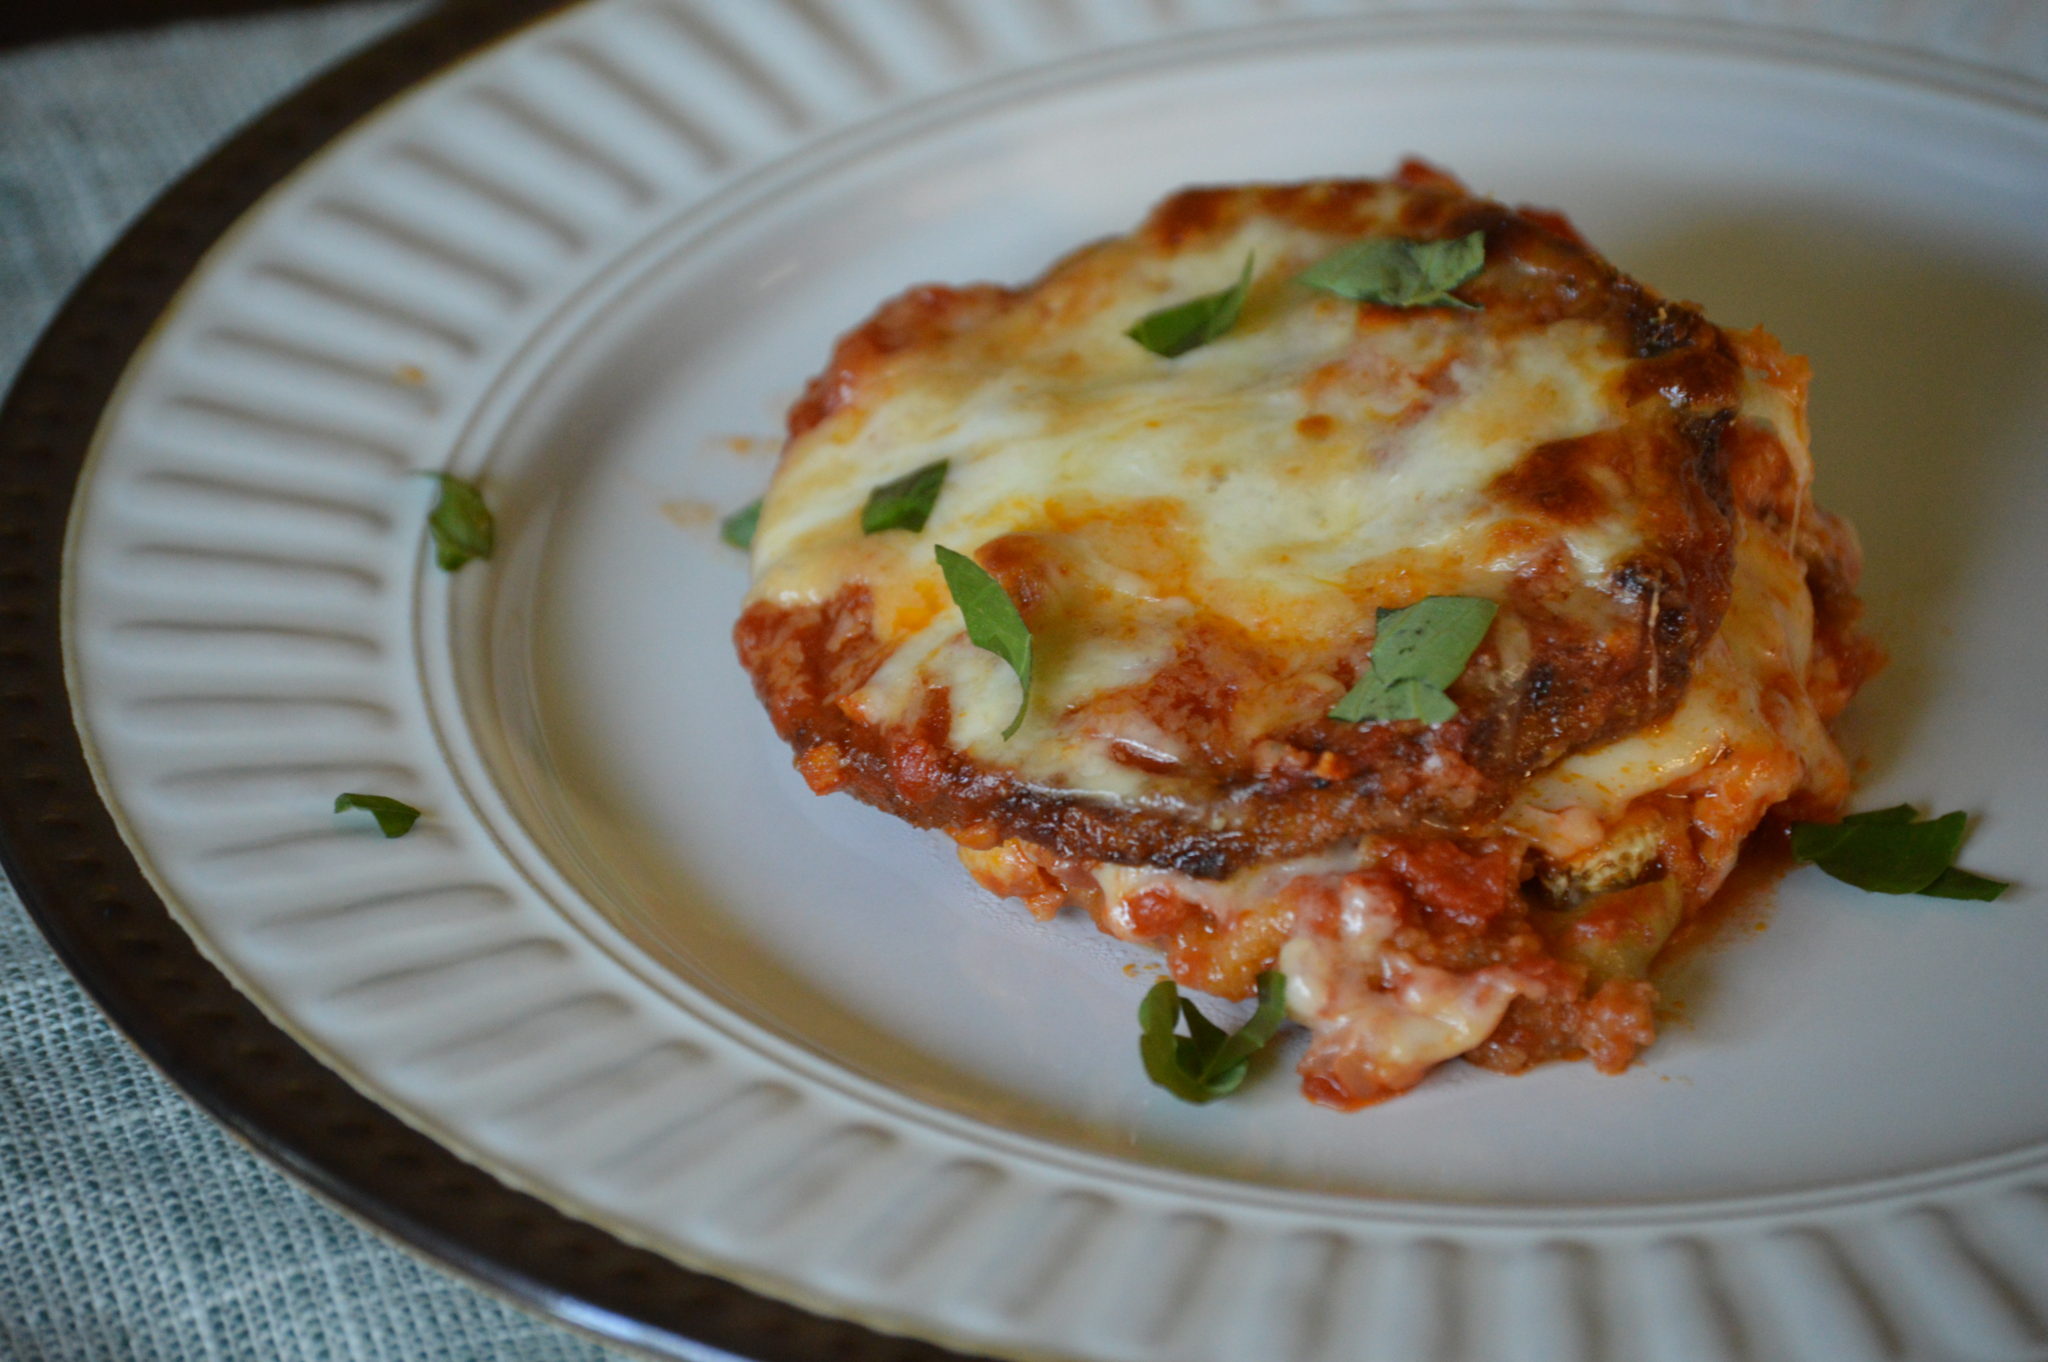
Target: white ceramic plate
x=629, y=963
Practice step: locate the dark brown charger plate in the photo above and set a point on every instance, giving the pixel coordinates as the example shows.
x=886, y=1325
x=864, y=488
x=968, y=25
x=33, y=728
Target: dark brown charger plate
x=81, y=884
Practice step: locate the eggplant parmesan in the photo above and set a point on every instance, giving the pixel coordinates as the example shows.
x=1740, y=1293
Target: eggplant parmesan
x=1202, y=547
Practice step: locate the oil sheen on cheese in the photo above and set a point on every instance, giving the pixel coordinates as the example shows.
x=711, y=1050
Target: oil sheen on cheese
x=1311, y=464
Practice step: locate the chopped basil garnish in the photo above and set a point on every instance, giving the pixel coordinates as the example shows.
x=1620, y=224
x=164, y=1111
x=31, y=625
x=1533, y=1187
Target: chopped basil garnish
x=460, y=523
x=1954, y=883
x=1190, y=325
x=1416, y=655
x=1208, y=1062
x=394, y=819
x=1399, y=272
x=993, y=623
x=1892, y=851
x=737, y=529
x=904, y=503
x=1961, y=884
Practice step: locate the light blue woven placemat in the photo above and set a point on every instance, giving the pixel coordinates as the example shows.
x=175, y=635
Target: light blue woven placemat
x=130, y=1227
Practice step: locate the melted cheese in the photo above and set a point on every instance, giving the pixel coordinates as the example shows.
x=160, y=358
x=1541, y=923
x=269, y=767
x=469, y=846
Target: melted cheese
x=1742, y=740
x=1317, y=461
x=1373, y=1009
x=1288, y=477
x=1411, y=1019
x=1746, y=733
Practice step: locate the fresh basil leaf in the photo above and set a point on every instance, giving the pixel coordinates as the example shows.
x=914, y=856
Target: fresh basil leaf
x=1160, y=1049
x=1888, y=851
x=394, y=819
x=1400, y=272
x=1258, y=1029
x=1159, y=1009
x=737, y=529
x=904, y=503
x=1416, y=654
x=1368, y=701
x=993, y=623
x=1175, y=330
x=1429, y=704
x=460, y=523
x=1432, y=640
x=1208, y=1062
x=1814, y=841
x=1897, y=858
x=1817, y=841
x=1406, y=699
x=1897, y=813
x=1204, y=1036
x=1961, y=884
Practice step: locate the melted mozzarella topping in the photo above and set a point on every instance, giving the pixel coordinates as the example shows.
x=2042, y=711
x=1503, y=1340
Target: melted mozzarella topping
x=1747, y=734
x=1318, y=460
x=1743, y=739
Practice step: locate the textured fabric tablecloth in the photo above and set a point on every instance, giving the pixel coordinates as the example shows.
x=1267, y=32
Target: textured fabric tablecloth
x=130, y=1227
